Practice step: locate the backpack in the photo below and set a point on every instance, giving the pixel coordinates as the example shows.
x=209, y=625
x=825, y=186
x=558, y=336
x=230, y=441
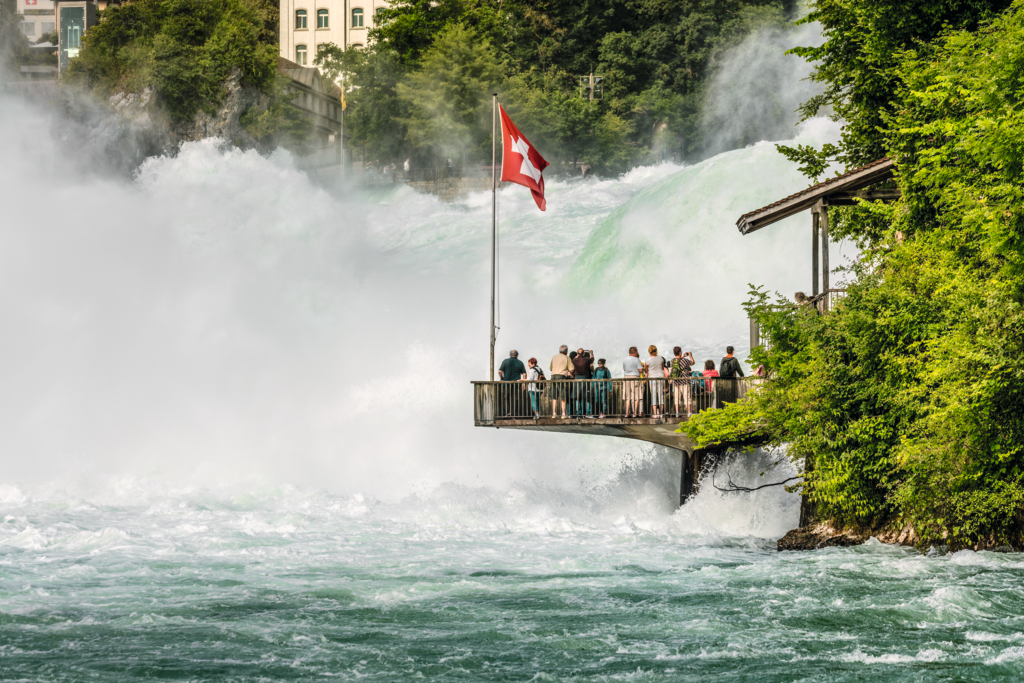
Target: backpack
x=729, y=367
x=542, y=377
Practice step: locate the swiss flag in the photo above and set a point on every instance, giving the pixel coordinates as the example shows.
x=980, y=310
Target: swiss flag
x=521, y=163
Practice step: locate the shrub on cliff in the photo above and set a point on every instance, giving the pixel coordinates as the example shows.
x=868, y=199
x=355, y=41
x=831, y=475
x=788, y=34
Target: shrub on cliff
x=907, y=401
x=185, y=49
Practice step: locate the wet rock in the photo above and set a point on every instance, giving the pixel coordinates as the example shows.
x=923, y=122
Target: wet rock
x=820, y=535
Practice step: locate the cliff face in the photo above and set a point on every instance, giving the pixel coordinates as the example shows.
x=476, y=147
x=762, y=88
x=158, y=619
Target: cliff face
x=137, y=127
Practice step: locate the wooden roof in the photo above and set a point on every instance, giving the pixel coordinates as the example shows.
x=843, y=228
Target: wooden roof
x=840, y=188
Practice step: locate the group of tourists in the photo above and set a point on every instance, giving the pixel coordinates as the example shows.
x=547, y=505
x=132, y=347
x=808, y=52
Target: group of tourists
x=591, y=399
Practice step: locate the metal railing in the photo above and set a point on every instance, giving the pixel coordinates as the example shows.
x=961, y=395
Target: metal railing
x=605, y=399
x=827, y=300
x=823, y=303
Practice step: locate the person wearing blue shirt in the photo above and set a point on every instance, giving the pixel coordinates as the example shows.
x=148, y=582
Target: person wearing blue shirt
x=602, y=387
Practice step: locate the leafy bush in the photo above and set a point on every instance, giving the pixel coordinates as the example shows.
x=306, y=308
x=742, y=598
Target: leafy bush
x=907, y=401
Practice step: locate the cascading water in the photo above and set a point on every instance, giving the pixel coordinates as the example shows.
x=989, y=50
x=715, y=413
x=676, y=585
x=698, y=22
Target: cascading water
x=237, y=441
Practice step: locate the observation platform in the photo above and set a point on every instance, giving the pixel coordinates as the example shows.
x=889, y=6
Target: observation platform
x=599, y=408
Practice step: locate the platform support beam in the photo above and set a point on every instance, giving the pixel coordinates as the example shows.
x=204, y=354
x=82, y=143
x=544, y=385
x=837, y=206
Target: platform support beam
x=685, y=479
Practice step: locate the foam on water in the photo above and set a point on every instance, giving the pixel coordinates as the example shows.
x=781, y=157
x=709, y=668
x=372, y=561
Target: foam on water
x=237, y=442
x=223, y=317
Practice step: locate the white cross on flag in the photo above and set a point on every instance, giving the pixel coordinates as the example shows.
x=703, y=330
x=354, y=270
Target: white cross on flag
x=521, y=163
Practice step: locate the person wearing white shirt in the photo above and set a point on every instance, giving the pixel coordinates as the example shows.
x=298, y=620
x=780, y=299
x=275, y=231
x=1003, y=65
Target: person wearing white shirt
x=632, y=388
x=656, y=374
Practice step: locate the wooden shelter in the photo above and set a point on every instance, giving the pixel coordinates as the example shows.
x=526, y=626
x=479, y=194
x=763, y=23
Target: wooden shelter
x=843, y=190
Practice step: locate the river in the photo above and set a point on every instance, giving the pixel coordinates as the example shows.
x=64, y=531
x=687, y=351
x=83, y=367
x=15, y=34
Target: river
x=237, y=439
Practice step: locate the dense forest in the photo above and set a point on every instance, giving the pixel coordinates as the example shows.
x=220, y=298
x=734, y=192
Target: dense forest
x=423, y=86
x=905, y=405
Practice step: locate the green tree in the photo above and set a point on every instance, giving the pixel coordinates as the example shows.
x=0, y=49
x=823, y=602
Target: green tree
x=410, y=27
x=375, y=114
x=858, y=62
x=13, y=44
x=185, y=49
x=448, y=95
x=907, y=402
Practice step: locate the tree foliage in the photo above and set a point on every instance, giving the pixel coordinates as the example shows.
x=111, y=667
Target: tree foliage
x=185, y=49
x=448, y=94
x=858, y=62
x=654, y=57
x=907, y=401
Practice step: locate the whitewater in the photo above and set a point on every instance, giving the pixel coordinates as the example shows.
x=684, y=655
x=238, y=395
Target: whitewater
x=237, y=442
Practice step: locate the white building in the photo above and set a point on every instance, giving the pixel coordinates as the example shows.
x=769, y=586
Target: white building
x=36, y=18
x=305, y=24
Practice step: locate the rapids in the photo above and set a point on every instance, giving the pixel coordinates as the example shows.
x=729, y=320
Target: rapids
x=237, y=438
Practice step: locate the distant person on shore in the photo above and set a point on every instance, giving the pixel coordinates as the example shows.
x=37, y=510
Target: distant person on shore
x=632, y=388
x=656, y=374
x=533, y=375
x=511, y=370
x=406, y=166
x=602, y=388
x=560, y=368
x=682, y=366
x=582, y=367
x=730, y=366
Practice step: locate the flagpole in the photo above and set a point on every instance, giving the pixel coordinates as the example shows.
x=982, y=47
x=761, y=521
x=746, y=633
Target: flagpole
x=494, y=216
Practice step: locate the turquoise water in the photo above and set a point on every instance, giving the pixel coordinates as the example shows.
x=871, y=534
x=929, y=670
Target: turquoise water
x=237, y=442
x=291, y=584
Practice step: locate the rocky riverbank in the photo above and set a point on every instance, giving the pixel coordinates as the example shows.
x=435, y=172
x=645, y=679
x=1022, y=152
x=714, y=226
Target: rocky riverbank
x=825, y=535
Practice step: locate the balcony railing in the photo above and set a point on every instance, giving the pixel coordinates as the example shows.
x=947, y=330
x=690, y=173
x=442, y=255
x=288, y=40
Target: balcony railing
x=827, y=300
x=605, y=399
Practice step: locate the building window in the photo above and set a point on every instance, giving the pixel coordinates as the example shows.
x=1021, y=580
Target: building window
x=300, y=55
x=321, y=18
x=29, y=27
x=48, y=26
x=357, y=18
x=300, y=18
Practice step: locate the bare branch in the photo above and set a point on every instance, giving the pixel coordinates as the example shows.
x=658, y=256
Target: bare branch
x=732, y=487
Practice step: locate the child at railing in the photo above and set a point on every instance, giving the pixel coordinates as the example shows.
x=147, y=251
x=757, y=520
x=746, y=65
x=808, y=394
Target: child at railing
x=533, y=375
x=710, y=382
x=603, y=388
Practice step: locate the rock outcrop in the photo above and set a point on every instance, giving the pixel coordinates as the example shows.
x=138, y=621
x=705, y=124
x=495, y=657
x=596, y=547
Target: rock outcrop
x=136, y=119
x=824, y=535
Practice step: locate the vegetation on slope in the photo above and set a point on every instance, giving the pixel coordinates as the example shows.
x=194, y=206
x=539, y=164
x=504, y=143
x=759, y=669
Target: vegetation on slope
x=655, y=59
x=907, y=402
x=185, y=49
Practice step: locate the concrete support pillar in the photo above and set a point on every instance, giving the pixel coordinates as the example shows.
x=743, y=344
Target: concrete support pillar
x=685, y=479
